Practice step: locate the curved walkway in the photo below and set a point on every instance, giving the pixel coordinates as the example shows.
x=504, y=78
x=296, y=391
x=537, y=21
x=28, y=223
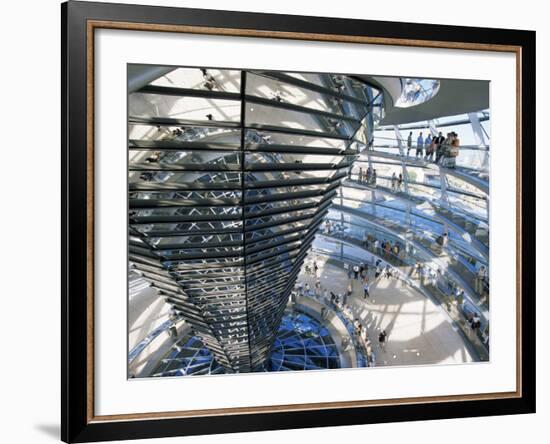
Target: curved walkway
x=419, y=332
x=473, y=231
x=458, y=271
x=468, y=175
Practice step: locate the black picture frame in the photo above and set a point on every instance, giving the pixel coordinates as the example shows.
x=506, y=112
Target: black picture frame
x=77, y=425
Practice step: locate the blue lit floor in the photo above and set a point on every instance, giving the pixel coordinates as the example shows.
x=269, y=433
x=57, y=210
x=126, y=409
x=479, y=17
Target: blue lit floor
x=302, y=344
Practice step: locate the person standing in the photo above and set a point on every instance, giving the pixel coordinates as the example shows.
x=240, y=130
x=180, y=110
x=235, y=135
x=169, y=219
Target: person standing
x=419, y=145
x=424, y=276
x=356, y=271
x=454, y=149
x=480, y=276
x=445, y=241
x=409, y=143
x=371, y=361
x=366, y=289
x=364, y=270
x=350, y=270
x=378, y=272
x=395, y=251
x=427, y=143
x=382, y=339
x=420, y=270
x=358, y=328
x=394, y=182
x=387, y=249
x=430, y=150
x=476, y=322
x=328, y=227
x=439, y=146
x=365, y=337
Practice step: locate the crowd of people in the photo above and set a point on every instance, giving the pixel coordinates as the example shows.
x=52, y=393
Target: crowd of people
x=340, y=301
x=397, y=253
x=385, y=248
x=367, y=176
x=390, y=255
x=437, y=149
x=482, y=283
x=396, y=182
x=360, y=271
x=362, y=333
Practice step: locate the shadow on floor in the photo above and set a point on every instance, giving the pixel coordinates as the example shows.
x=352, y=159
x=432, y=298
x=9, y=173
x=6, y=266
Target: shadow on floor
x=51, y=430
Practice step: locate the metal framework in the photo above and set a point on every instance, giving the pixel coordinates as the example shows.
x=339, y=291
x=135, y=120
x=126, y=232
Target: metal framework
x=414, y=214
x=230, y=177
x=302, y=343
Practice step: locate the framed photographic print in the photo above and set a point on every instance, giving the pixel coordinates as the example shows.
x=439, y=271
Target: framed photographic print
x=276, y=221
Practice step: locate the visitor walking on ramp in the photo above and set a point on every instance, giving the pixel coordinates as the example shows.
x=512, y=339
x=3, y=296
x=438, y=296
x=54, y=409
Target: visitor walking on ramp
x=382, y=339
x=366, y=293
x=409, y=143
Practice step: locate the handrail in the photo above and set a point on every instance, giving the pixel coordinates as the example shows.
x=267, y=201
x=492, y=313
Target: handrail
x=469, y=147
x=481, y=348
x=421, y=125
x=414, y=199
x=458, y=317
x=466, y=174
x=477, y=244
x=362, y=361
x=457, y=280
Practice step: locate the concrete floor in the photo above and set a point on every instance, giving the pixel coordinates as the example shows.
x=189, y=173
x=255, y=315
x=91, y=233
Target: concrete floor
x=419, y=332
